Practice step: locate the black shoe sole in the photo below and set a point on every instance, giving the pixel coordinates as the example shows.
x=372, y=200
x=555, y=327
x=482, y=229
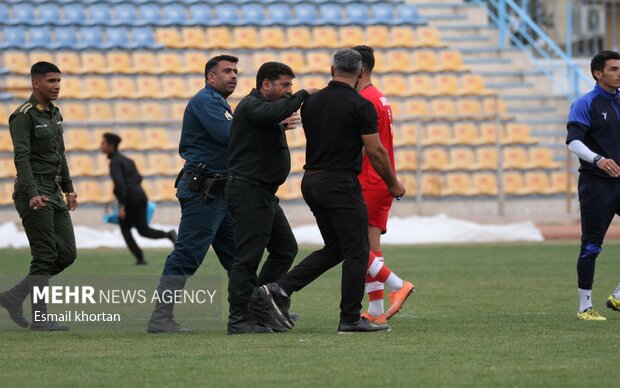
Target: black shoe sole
x=611, y=306
x=265, y=293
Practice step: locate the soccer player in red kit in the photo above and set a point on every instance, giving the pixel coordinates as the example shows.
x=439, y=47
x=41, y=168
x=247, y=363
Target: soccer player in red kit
x=378, y=201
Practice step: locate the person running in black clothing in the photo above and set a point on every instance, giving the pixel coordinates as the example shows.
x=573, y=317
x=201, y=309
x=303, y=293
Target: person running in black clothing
x=132, y=200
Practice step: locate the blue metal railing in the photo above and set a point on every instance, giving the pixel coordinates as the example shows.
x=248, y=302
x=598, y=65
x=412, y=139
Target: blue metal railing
x=515, y=25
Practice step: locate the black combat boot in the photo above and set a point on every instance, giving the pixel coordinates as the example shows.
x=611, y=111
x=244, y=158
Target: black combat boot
x=13, y=301
x=240, y=323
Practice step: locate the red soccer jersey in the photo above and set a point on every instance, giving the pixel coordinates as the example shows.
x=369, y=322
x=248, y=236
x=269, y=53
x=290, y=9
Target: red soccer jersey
x=369, y=178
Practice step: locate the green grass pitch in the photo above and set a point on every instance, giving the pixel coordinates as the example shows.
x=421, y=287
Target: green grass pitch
x=483, y=315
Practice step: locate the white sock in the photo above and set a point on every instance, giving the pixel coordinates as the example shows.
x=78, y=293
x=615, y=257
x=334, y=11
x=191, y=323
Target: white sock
x=375, y=307
x=394, y=283
x=375, y=267
x=585, y=299
x=617, y=292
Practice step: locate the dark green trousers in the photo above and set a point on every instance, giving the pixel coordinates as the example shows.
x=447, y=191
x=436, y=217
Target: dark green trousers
x=49, y=230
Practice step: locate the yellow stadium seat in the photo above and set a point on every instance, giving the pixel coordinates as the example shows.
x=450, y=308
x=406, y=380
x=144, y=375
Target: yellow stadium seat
x=20, y=87
x=295, y=59
x=405, y=160
x=260, y=57
x=102, y=165
x=194, y=84
x=160, y=164
x=380, y=63
x=244, y=86
x=377, y=36
x=245, y=38
x=145, y=62
x=416, y=109
x=443, y=108
x=514, y=183
x=6, y=193
x=420, y=85
x=394, y=85
x=317, y=62
x=119, y=62
x=158, y=139
x=435, y=159
x=318, y=82
x=162, y=190
x=431, y=185
x=296, y=138
x=174, y=87
x=398, y=61
x=410, y=183
x=397, y=108
x=148, y=87
x=194, y=38
x=291, y=189
x=428, y=37
x=407, y=134
x=515, y=157
x=351, y=36
x=107, y=191
x=325, y=37
x=39, y=56
x=218, y=38
x=446, y=85
x=537, y=182
x=100, y=112
x=140, y=161
x=153, y=111
x=300, y=37
x=127, y=111
x=560, y=184
x=132, y=139
x=486, y=159
x=450, y=60
x=518, y=133
x=462, y=158
x=469, y=108
x=97, y=87
x=69, y=62
x=424, y=60
x=298, y=159
x=74, y=112
x=458, y=184
x=437, y=134
x=485, y=183
x=81, y=165
x=6, y=143
x=169, y=37
x=495, y=107
x=93, y=62
x=123, y=87
x=273, y=37
x=542, y=158
x=402, y=36
x=7, y=168
x=17, y=62
x=177, y=109
x=71, y=87
x=79, y=139
x=465, y=133
x=473, y=84
x=194, y=62
x=90, y=191
x=489, y=133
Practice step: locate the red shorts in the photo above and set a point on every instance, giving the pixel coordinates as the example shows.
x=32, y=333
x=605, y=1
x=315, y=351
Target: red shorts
x=378, y=203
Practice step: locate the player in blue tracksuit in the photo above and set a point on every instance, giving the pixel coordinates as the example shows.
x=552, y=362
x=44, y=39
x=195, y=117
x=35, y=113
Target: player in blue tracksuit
x=205, y=219
x=594, y=136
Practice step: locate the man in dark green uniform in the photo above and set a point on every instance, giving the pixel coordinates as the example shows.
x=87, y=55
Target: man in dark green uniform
x=42, y=172
x=258, y=163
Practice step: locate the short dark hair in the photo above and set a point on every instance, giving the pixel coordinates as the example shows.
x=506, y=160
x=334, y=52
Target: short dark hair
x=42, y=68
x=368, y=57
x=598, y=62
x=213, y=62
x=272, y=71
x=113, y=139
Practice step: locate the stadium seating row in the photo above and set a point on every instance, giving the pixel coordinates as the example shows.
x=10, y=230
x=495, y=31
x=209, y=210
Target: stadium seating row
x=198, y=1
x=193, y=62
x=157, y=87
x=200, y=14
x=463, y=133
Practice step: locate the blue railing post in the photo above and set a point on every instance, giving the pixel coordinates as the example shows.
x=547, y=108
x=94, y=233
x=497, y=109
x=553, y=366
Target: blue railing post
x=503, y=24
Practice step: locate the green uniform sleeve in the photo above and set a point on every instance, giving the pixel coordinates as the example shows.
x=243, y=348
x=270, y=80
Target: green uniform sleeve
x=20, y=125
x=66, y=185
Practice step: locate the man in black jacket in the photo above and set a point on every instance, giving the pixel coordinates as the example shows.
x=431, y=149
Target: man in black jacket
x=258, y=163
x=132, y=200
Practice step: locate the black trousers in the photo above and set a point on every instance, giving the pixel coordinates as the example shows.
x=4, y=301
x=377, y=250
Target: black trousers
x=135, y=216
x=336, y=201
x=259, y=223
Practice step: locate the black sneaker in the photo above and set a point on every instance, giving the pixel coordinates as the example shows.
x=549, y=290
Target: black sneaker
x=247, y=327
x=278, y=303
x=361, y=326
x=259, y=311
